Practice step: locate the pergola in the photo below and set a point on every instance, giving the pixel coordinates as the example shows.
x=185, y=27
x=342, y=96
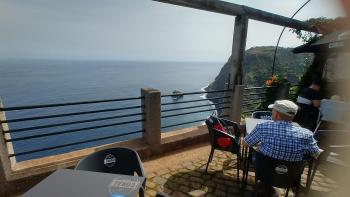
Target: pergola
x=242, y=14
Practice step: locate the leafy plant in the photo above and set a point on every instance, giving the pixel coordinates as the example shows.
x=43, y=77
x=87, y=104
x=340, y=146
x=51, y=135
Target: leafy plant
x=276, y=80
x=323, y=25
x=276, y=88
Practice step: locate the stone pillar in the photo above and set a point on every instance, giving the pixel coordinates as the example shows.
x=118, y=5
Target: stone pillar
x=151, y=125
x=236, y=103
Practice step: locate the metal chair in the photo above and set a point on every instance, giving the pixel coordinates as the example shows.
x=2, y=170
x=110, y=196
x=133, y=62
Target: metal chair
x=233, y=134
x=278, y=173
x=116, y=161
x=266, y=115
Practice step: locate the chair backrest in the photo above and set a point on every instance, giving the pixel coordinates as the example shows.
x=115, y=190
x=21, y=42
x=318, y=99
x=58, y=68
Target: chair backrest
x=114, y=160
x=210, y=122
x=266, y=115
x=228, y=124
x=214, y=134
x=277, y=172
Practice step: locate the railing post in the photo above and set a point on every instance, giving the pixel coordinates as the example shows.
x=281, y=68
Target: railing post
x=151, y=125
x=5, y=149
x=236, y=103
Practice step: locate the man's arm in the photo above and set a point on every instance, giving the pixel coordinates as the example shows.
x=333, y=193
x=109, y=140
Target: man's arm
x=245, y=143
x=313, y=148
x=253, y=138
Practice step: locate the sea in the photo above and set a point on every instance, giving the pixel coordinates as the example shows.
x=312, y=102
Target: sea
x=37, y=82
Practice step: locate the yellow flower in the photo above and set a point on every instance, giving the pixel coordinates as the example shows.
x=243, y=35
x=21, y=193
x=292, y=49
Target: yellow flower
x=274, y=77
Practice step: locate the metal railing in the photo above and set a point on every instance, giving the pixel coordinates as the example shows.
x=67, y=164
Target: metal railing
x=254, y=97
x=38, y=133
x=210, y=105
x=177, y=110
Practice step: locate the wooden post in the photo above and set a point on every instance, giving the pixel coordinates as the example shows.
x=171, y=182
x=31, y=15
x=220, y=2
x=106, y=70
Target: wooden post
x=236, y=72
x=236, y=105
x=5, y=149
x=238, y=49
x=151, y=125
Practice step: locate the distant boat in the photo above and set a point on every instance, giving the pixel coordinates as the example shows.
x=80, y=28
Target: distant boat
x=177, y=95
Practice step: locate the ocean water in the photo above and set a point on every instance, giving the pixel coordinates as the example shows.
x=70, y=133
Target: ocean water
x=32, y=82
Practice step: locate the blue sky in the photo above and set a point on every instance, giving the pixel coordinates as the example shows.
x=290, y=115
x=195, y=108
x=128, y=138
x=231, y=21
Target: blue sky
x=137, y=29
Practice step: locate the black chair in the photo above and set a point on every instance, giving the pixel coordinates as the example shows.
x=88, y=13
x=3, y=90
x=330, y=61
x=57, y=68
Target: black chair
x=266, y=115
x=116, y=161
x=233, y=133
x=278, y=173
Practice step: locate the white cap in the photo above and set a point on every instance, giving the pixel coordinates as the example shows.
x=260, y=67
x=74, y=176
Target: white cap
x=285, y=107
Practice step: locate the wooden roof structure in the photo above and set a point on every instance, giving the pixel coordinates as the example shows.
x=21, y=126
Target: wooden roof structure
x=242, y=15
x=233, y=9
x=333, y=42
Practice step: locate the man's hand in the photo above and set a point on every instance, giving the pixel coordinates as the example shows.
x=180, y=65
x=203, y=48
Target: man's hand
x=245, y=144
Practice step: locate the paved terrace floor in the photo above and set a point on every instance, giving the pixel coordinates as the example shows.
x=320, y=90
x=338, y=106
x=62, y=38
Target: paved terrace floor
x=182, y=174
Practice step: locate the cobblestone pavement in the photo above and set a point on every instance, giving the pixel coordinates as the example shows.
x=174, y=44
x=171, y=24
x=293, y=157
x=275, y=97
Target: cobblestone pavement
x=188, y=178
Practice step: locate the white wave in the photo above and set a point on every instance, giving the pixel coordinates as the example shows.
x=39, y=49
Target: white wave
x=204, y=96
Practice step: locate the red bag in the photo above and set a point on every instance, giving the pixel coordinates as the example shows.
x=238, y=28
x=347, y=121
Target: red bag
x=219, y=127
x=224, y=142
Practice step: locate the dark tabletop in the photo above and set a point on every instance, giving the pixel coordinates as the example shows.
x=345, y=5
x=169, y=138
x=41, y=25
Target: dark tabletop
x=77, y=183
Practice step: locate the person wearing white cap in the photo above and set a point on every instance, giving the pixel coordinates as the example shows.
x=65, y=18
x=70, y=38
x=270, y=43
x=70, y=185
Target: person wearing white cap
x=280, y=139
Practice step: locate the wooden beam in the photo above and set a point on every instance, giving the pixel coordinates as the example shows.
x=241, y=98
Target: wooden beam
x=276, y=19
x=236, y=61
x=208, y=5
x=238, y=49
x=232, y=9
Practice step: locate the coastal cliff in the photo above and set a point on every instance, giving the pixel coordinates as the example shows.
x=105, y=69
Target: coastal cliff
x=257, y=67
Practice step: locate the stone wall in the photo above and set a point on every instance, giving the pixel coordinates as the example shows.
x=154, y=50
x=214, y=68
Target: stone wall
x=29, y=173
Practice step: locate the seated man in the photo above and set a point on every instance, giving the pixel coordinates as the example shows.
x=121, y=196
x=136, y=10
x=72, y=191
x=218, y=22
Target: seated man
x=280, y=139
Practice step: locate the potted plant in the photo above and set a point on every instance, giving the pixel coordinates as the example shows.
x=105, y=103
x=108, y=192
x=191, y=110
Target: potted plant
x=276, y=88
